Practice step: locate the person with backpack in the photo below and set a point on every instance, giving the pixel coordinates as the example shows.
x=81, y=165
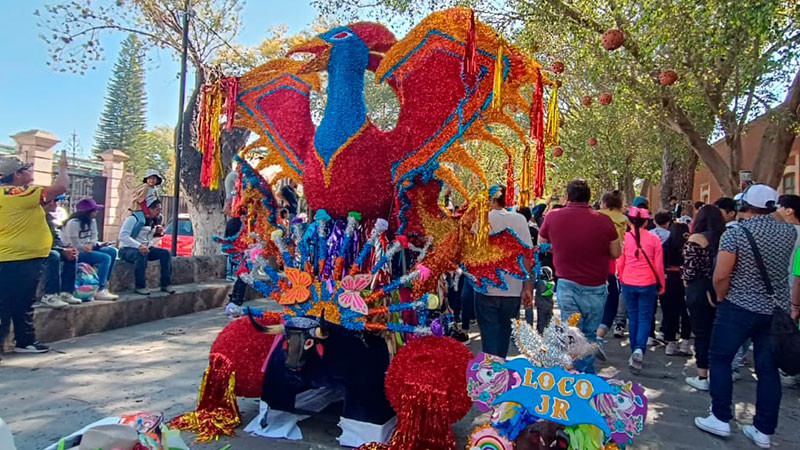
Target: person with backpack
x=136, y=247
x=751, y=282
x=698, y=266
x=80, y=232
x=641, y=273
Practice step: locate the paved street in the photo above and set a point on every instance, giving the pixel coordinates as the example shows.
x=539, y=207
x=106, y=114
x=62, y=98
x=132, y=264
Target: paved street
x=157, y=366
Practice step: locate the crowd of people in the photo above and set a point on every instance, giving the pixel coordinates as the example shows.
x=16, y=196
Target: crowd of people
x=41, y=244
x=615, y=264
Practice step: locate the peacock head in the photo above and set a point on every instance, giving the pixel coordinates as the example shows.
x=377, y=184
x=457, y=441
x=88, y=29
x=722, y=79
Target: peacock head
x=362, y=41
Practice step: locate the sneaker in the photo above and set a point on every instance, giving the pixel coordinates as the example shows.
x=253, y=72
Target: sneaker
x=53, y=301
x=619, y=331
x=66, y=297
x=713, y=425
x=788, y=380
x=760, y=439
x=701, y=384
x=600, y=353
x=233, y=310
x=142, y=291
x=32, y=348
x=103, y=294
x=651, y=342
x=672, y=349
x=168, y=289
x=685, y=348
x=460, y=336
x=635, y=362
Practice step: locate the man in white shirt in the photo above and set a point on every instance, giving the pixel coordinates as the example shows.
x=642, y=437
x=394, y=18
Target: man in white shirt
x=495, y=309
x=139, y=249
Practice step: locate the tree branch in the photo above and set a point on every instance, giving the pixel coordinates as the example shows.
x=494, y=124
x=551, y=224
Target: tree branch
x=776, y=144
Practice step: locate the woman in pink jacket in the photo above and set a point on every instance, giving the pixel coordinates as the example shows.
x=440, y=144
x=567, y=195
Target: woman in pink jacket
x=641, y=272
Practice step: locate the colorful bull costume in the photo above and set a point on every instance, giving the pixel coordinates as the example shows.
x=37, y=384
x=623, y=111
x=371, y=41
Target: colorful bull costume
x=357, y=277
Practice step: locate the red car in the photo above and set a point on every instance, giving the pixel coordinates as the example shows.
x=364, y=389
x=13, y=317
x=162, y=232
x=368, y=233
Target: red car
x=185, y=236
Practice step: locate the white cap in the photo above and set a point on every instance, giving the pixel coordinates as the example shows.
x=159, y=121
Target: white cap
x=760, y=196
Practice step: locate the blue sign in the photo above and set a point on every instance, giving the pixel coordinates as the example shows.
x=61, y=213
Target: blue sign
x=552, y=393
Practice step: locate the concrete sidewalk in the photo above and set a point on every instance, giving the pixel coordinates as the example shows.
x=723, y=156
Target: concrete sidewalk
x=158, y=366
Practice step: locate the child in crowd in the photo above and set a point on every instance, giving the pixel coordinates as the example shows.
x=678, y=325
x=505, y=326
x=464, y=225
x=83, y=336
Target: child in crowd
x=146, y=193
x=663, y=220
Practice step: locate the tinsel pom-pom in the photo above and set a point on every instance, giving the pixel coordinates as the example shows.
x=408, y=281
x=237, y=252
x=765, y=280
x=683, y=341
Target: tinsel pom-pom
x=426, y=385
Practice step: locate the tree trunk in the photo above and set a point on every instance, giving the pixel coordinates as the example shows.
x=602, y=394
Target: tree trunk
x=678, y=168
x=778, y=138
x=645, y=188
x=205, y=205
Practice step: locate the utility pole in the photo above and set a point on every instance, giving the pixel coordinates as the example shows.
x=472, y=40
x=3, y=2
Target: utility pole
x=180, y=141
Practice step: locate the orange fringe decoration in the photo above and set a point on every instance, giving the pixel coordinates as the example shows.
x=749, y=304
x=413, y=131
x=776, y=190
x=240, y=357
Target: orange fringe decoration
x=208, y=132
x=338, y=268
x=525, y=188
x=498, y=78
x=551, y=132
x=217, y=412
x=231, y=87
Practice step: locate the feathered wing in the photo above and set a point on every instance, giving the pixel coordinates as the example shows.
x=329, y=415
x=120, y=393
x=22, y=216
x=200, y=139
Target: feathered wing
x=441, y=105
x=274, y=103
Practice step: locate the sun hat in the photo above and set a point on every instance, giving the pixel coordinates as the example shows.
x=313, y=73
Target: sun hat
x=760, y=196
x=88, y=204
x=151, y=173
x=11, y=164
x=109, y=437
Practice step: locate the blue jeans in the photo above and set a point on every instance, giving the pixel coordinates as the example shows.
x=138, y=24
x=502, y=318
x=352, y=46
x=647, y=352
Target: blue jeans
x=589, y=301
x=612, y=302
x=59, y=278
x=641, y=304
x=132, y=255
x=732, y=326
x=104, y=259
x=494, y=321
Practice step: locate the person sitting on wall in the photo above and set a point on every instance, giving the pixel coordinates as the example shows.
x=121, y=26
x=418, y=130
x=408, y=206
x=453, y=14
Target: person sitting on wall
x=81, y=232
x=60, y=267
x=137, y=247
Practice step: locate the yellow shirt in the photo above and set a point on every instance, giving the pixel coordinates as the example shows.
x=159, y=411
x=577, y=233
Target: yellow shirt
x=24, y=233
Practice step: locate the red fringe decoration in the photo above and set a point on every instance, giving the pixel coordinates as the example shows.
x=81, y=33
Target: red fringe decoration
x=426, y=385
x=537, y=134
x=470, y=66
x=230, y=87
x=217, y=412
x=510, y=194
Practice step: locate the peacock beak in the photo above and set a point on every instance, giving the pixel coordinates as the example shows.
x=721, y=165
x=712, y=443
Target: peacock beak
x=321, y=51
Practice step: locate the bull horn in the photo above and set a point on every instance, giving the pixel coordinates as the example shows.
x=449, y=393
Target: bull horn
x=322, y=330
x=269, y=329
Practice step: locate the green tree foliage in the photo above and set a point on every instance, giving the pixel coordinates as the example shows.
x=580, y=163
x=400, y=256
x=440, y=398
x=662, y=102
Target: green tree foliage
x=123, y=119
x=735, y=60
x=154, y=150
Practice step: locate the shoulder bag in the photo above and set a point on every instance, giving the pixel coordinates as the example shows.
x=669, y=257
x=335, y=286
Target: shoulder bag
x=646, y=258
x=783, y=334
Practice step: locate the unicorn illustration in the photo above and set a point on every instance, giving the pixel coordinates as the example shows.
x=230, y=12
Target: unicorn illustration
x=624, y=410
x=487, y=378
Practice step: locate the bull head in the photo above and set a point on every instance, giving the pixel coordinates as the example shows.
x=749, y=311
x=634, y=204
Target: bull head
x=300, y=335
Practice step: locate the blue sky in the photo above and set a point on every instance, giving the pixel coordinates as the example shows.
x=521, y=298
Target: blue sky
x=34, y=96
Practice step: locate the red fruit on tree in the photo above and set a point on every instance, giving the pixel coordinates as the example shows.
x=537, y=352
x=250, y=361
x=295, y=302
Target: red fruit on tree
x=558, y=151
x=604, y=99
x=613, y=39
x=586, y=100
x=557, y=66
x=592, y=141
x=668, y=77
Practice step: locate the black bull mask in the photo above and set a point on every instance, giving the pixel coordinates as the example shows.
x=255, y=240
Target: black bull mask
x=300, y=334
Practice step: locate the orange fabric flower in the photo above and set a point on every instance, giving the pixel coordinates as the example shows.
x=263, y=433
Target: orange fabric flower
x=298, y=292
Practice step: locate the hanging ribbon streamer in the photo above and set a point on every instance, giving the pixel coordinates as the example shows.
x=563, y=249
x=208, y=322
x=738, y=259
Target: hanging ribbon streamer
x=525, y=178
x=537, y=134
x=208, y=132
x=480, y=204
x=231, y=87
x=551, y=133
x=470, y=66
x=498, y=78
x=510, y=190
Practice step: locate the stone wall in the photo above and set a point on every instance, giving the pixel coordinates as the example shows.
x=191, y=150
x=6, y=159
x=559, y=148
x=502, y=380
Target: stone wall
x=185, y=270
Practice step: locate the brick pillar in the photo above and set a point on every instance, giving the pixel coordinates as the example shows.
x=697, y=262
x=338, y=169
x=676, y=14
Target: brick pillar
x=114, y=171
x=36, y=147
